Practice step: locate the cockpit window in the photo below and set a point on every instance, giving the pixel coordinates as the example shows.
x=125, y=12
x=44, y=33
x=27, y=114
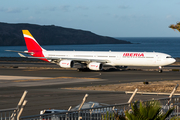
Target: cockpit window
x=168, y=57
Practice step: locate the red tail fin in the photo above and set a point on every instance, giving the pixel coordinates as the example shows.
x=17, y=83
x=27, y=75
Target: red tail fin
x=33, y=46
x=31, y=43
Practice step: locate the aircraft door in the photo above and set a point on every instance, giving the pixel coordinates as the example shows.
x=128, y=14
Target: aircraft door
x=118, y=57
x=157, y=59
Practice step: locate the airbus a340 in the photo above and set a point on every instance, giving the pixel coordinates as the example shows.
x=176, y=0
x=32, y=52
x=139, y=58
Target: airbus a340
x=94, y=60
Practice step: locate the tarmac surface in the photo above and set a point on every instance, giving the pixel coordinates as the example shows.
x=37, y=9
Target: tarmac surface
x=45, y=86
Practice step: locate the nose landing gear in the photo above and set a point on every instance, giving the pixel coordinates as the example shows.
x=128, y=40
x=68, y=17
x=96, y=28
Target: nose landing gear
x=160, y=69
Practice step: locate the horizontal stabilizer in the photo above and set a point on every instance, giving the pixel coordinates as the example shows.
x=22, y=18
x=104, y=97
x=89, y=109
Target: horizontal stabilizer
x=21, y=55
x=26, y=52
x=33, y=57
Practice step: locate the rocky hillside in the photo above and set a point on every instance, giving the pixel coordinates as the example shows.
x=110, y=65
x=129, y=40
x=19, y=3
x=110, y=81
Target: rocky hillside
x=11, y=35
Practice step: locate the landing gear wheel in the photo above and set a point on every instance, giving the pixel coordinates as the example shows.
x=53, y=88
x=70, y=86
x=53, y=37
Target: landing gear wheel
x=160, y=71
x=83, y=69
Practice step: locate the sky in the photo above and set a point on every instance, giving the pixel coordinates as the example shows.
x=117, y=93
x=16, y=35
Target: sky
x=114, y=18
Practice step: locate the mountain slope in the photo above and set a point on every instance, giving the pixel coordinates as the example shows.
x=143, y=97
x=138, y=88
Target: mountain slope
x=11, y=35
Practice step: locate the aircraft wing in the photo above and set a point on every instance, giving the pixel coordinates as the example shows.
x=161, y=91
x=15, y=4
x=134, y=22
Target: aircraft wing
x=87, y=60
x=74, y=59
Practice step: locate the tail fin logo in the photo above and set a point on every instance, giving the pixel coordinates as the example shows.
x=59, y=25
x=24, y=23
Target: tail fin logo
x=33, y=46
x=31, y=43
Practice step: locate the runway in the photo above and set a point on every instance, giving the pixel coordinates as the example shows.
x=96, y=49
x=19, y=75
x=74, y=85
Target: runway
x=107, y=77
x=46, y=86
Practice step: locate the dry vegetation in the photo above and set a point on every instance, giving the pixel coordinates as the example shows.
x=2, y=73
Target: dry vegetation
x=159, y=86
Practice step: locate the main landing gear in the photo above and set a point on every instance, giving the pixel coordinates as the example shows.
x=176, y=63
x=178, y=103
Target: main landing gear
x=160, y=69
x=83, y=69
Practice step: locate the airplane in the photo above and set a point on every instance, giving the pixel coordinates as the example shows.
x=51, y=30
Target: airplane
x=93, y=60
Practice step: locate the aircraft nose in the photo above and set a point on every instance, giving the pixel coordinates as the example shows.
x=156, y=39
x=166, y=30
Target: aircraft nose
x=173, y=60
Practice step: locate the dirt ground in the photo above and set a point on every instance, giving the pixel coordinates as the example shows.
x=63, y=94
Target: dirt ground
x=159, y=86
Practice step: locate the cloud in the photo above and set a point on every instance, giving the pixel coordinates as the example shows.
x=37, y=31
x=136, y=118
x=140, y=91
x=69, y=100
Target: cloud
x=12, y=10
x=85, y=16
x=102, y=7
x=65, y=8
x=50, y=8
x=169, y=17
x=120, y=17
x=130, y=17
x=31, y=18
x=81, y=8
x=123, y=7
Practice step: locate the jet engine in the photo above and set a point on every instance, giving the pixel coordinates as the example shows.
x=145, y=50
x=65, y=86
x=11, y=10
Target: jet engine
x=95, y=66
x=66, y=63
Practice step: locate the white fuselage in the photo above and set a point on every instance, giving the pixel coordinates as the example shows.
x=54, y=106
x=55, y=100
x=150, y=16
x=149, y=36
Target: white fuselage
x=117, y=58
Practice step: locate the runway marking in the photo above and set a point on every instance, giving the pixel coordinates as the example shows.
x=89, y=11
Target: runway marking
x=55, y=78
x=31, y=70
x=29, y=78
x=4, y=77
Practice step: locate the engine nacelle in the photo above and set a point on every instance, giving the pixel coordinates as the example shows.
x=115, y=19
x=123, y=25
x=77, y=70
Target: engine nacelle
x=66, y=63
x=95, y=66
